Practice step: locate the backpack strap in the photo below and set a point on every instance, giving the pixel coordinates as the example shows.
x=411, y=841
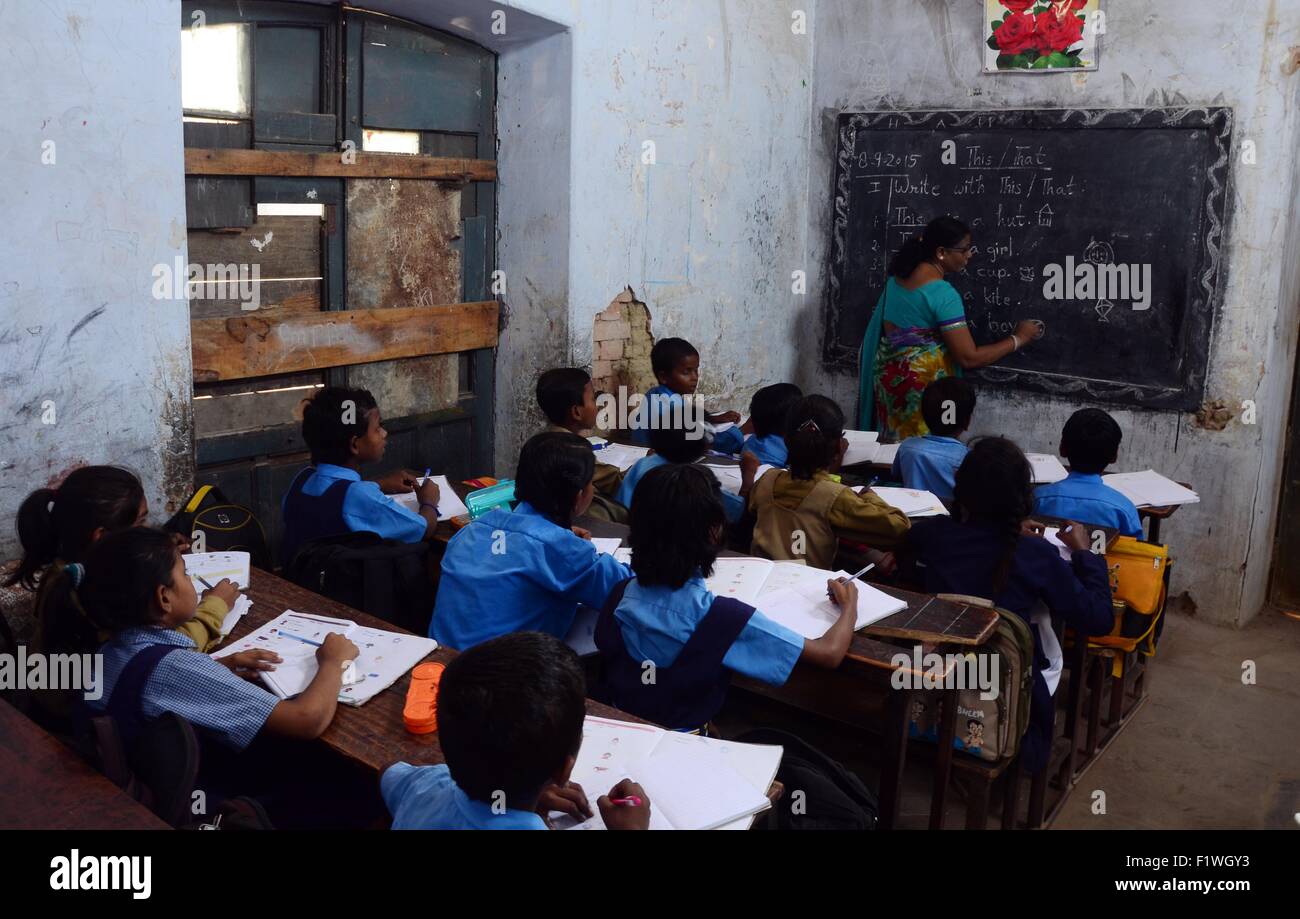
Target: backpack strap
x=765, y=489
x=127, y=699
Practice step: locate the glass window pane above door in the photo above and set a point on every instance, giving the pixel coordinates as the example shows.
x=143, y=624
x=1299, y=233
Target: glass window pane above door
x=215, y=69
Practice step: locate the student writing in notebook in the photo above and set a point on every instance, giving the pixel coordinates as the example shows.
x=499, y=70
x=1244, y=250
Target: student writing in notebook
x=982, y=551
x=929, y=462
x=510, y=716
x=568, y=400
x=136, y=589
x=57, y=527
x=666, y=617
x=527, y=570
x=804, y=511
x=344, y=431
x=1090, y=441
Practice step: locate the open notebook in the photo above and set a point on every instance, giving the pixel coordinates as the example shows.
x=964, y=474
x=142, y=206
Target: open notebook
x=623, y=456
x=449, y=503
x=215, y=567
x=1150, y=489
x=795, y=595
x=863, y=446
x=385, y=656
x=1046, y=468
x=729, y=477
x=693, y=783
x=911, y=501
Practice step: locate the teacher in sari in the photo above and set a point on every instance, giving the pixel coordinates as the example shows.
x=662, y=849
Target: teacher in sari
x=918, y=332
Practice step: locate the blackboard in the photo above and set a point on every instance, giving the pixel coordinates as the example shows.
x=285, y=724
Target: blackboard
x=1113, y=187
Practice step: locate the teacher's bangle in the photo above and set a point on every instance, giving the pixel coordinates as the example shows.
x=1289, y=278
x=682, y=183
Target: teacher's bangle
x=1015, y=342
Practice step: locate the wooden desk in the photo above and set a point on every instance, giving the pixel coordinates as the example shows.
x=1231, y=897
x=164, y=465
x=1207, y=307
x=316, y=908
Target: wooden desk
x=846, y=693
x=372, y=735
x=45, y=786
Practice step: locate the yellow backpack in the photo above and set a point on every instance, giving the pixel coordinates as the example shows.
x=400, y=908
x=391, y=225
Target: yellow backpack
x=1139, y=584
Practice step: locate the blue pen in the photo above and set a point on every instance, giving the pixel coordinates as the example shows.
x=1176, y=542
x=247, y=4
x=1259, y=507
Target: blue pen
x=426, y=475
x=305, y=641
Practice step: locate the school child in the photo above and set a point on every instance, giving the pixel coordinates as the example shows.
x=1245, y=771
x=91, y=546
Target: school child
x=929, y=462
x=804, y=511
x=568, y=400
x=667, y=616
x=1090, y=441
x=676, y=365
x=57, y=527
x=768, y=411
x=675, y=445
x=328, y=498
x=135, y=587
x=527, y=571
x=983, y=553
x=510, y=714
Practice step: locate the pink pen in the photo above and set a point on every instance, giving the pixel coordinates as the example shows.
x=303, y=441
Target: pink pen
x=633, y=801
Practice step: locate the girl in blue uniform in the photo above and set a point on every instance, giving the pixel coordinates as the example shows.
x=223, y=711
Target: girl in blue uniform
x=667, y=618
x=527, y=571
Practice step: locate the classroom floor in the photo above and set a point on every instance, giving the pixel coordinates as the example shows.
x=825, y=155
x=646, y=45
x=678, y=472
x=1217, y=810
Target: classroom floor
x=1204, y=751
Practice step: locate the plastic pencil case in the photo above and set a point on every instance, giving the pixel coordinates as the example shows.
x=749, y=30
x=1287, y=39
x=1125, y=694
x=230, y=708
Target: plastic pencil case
x=489, y=499
x=421, y=711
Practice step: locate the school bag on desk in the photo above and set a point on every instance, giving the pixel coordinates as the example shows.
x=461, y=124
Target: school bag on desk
x=226, y=526
x=989, y=729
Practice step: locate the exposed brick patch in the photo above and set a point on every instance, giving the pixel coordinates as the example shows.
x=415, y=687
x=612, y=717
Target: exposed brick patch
x=621, y=343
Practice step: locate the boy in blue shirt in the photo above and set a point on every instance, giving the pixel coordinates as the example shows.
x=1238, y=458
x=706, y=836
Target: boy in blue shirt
x=768, y=411
x=675, y=446
x=527, y=570
x=676, y=365
x=930, y=462
x=510, y=715
x=1090, y=441
x=343, y=429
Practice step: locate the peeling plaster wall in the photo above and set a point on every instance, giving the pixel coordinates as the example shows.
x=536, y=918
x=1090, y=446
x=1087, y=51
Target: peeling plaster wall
x=883, y=54
x=707, y=237
x=79, y=327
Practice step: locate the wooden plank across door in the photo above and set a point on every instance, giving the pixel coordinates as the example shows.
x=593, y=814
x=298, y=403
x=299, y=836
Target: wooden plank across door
x=248, y=346
x=232, y=162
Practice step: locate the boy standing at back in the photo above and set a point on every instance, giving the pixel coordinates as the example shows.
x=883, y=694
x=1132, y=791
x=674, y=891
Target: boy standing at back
x=1090, y=441
x=930, y=462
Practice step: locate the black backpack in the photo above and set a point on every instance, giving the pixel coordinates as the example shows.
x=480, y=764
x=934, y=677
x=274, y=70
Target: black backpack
x=820, y=794
x=226, y=527
x=382, y=577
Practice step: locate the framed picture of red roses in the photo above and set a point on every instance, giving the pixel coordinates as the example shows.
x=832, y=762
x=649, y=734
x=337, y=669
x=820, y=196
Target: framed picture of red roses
x=1041, y=36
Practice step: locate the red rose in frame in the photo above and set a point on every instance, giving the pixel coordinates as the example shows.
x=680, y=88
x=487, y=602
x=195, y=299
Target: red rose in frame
x=1016, y=34
x=1019, y=6
x=1058, y=33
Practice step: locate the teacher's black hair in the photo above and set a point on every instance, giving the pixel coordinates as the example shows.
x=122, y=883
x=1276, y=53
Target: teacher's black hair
x=995, y=487
x=941, y=233
x=677, y=517
x=553, y=469
x=510, y=712
x=814, y=429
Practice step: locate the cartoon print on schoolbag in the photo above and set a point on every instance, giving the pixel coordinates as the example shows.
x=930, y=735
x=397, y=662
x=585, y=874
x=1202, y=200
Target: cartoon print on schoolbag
x=923, y=723
x=215, y=524
x=974, y=735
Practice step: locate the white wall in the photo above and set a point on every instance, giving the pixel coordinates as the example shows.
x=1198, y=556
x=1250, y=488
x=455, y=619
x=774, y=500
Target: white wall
x=882, y=55
x=708, y=236
x=78, y=325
